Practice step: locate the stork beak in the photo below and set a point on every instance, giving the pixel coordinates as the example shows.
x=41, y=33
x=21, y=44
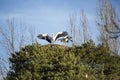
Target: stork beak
x=38, y=36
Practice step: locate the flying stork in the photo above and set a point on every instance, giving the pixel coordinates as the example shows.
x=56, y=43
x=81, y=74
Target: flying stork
x=53, y=38
x=65, y=39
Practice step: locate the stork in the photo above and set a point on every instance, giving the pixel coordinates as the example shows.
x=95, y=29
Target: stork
x=66, y=39
x=53, y=38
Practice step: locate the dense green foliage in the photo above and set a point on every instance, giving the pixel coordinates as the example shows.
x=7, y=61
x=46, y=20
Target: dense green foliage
x=56, y=62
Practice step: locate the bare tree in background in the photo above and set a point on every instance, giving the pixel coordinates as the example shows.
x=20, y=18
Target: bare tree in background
x=20, y=36
x=13, y=37
x=32, y=33
x=72, y=27
x=107, y=22
x=8, y=36
x=75, y=31
x=79, y=27
x=84, y=25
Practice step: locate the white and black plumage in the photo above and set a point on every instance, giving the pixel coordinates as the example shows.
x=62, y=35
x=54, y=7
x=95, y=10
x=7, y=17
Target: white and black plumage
x=66, y=39
x=53, y=38
x=45, y=37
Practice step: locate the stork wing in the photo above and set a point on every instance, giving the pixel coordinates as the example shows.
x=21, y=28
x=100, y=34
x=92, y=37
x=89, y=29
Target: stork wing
x=65, y=39
x=49, y=39
x=45, y=37
x=42, y=36
x=60, y=34
x=69, y=38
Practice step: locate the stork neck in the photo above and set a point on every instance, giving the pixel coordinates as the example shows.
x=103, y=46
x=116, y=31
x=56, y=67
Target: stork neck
x=53, y=37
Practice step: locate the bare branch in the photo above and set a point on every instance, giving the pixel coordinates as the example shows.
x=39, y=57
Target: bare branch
x=84, y=24
x=108, y=25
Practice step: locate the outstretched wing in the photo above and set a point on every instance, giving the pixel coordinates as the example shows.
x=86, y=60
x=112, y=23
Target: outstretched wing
x=69, y=38
x=45, y=37
x=61, y=34
x=66, y=39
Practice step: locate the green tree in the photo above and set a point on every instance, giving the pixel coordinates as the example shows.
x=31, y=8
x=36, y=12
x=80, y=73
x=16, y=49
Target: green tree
x=57, y=62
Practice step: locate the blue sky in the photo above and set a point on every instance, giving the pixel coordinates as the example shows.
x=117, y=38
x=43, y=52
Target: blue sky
x=49, y=16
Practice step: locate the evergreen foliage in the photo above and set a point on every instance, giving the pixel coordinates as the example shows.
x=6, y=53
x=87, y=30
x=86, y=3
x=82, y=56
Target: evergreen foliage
x=56, y=62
